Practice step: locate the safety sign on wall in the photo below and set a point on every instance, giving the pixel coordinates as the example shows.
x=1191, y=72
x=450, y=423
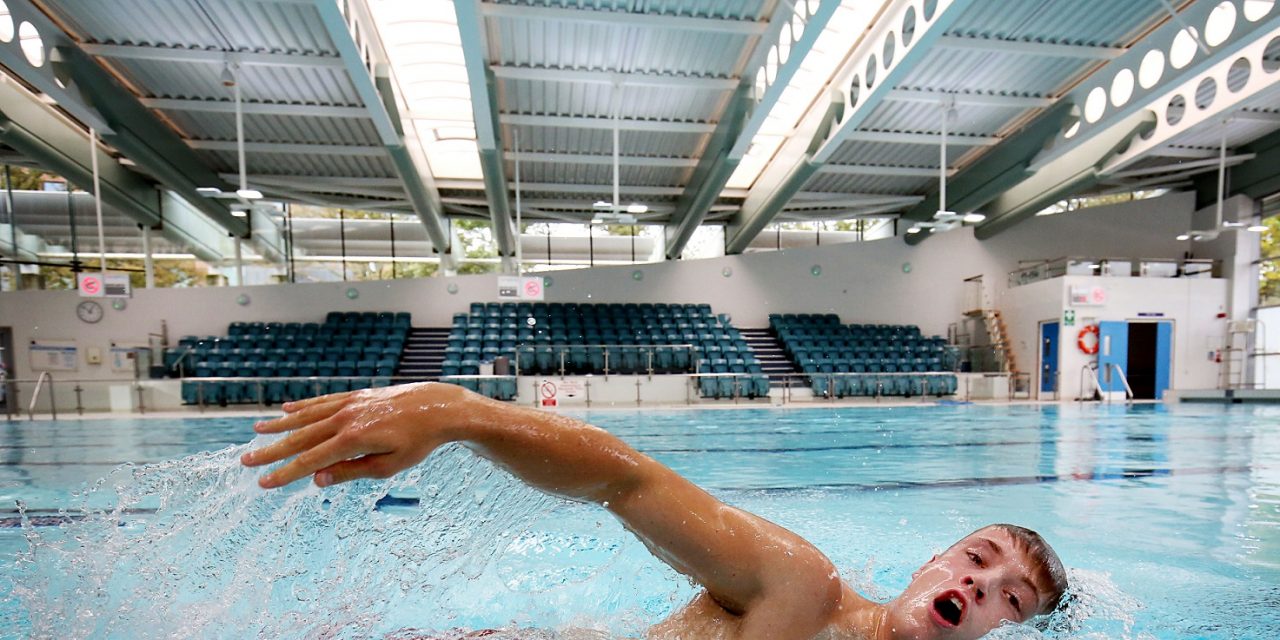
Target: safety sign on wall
x=517, y=288
x=548, y=393
x=97, y=285
x=1069, y=318
x=58, y=355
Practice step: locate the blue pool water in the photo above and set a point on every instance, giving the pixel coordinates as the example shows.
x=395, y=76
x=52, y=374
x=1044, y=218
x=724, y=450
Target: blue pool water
x=1169, y=518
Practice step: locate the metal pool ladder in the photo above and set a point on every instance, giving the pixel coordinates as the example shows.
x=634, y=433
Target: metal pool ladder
x=1092, y=369
x=35, y=396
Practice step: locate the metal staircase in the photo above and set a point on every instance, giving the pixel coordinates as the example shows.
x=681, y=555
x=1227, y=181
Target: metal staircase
x=981, y=306
x=423, y=353
x=773, y=358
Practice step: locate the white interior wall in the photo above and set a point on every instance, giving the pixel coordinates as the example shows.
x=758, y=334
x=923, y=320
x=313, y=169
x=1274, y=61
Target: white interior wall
x=1192, y=305
x=862, y=282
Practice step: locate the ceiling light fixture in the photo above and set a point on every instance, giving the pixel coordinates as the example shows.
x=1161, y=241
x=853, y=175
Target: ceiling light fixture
x=974, y=218
x=228, y=78
x=1257, y=227
x=249, y=194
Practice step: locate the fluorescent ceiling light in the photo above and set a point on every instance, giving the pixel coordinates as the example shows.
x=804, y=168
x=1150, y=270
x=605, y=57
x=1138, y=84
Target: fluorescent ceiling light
x=974, y=218
x=1257, y=228
x=1231, y=225
x=602, y=204
x=1183, y=237
x=913, y=230
x=636, y=207
x=249, y=194
x=239, y=213
x=209, y=192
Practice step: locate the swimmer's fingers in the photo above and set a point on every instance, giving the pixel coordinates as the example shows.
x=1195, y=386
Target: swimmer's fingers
x=325, y=454
x=382, y=465
x=294, y=443
x=298, y=405
x=311, y=413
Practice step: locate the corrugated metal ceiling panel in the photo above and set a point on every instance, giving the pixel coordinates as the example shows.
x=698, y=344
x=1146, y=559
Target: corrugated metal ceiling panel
x=305, y=85
x=598, y=174
x=600, y=141
x=202, y=24
x=620, y=47
x=292, y=129
x=1087, y=22
x=302, y=164
x=574, y=98
x=888, y=185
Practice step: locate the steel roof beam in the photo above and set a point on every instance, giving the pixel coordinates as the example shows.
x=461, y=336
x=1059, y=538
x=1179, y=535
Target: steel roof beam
x=1099, y=83
x=298, y=148
x=743, y=118
x=1066, y=175
x=911, y=137
x=354, y=38
x=255, y=108
x=625, y=124
x=43, y=135
x=1030, y=48
x=615, y=78
x=212, y=56
x=878, y=170
x=623, y=19
x=484, y=107
x=320, y=183
x=146, y=140
x=1256, y=178
x=969, y=99
x=800, y=157
x=1172, y=122
x=50, y=78
x=990, y=175
x=853, y=203
x=600, y=159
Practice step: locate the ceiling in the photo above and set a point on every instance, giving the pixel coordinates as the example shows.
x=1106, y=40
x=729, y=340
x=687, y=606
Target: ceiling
x=729, y=112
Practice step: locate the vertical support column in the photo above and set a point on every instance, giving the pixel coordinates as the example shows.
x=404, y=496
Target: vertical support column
x=148, y=264
x=239, y=264
x=13, y=225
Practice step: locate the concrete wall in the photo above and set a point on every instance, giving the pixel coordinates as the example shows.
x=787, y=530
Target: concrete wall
x=883, y=281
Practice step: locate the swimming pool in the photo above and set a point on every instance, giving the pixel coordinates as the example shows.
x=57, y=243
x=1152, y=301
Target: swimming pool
x=1170, y=518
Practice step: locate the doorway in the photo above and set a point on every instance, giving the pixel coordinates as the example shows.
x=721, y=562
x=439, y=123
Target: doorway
x=1142, y=350
x=7, y=371
x=1049, y=357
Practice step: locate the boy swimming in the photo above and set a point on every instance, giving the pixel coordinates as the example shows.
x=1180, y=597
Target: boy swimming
x=760, y=580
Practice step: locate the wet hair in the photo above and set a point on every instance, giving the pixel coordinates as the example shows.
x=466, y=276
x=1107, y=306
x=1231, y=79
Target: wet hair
x=1047, y=572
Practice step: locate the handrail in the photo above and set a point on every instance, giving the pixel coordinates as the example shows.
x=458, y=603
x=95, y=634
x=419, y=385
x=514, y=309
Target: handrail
x=35, y=396
x=1128, y=390
x=185, y=352
x=1092, y=368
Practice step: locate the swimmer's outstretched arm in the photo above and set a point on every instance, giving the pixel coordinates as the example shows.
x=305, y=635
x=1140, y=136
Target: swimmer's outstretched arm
x=778, y=584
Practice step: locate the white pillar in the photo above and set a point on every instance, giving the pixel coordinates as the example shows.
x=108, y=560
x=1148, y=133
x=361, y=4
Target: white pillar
x=239, y=265
x=148, y=265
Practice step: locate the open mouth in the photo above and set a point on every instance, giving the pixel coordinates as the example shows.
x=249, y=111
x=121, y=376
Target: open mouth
x=948, y=609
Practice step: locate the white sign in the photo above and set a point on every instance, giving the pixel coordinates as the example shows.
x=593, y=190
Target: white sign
x=517, y=288
x=508, y=288
x=548, y=393
x=1088, y=296
x=572, y=388
x=95, y=285
x=58, y=355
x=123, y=357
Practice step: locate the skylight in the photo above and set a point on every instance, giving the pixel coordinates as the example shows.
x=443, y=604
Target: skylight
x=424, y=49
x=842, y=32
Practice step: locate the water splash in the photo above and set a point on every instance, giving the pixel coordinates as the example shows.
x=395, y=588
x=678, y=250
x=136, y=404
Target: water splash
x=194, y=549
x=1093, y=608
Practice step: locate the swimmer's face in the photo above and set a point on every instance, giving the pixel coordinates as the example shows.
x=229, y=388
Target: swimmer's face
x=968, y=590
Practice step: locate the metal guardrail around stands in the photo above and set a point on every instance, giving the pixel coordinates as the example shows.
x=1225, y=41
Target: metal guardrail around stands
x=562, y=355
x=319, y=386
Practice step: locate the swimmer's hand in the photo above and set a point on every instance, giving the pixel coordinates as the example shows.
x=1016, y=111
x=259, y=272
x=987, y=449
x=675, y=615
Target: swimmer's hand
x=370, y=433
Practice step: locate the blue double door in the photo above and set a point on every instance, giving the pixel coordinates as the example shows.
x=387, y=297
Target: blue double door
x=1143, y=351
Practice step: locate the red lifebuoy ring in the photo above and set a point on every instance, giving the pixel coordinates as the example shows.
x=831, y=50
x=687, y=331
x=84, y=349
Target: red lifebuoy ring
x=1085, y=347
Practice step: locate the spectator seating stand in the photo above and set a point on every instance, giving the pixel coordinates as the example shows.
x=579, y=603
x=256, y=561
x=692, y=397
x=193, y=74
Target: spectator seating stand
x=865, y=360
x=271, y=362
